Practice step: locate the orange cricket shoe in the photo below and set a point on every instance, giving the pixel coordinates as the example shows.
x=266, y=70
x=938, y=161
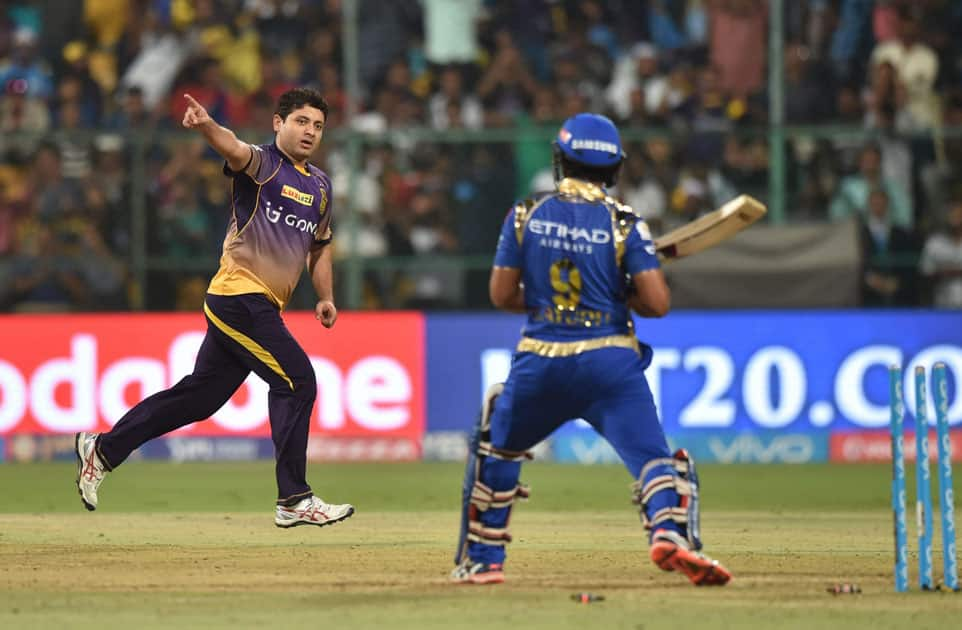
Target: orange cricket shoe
x=672, y=555
x=470, y=572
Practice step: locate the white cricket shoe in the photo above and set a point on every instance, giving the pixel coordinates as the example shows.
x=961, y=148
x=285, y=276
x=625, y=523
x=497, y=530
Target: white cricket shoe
x=90, y=470
x=312, y=511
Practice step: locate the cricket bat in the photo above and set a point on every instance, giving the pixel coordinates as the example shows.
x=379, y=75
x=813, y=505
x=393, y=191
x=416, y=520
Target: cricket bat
x=710, y=230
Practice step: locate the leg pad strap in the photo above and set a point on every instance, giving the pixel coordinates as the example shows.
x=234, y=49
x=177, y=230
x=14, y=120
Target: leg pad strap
x=483, y=499
x=675, y=476
x=484, y=460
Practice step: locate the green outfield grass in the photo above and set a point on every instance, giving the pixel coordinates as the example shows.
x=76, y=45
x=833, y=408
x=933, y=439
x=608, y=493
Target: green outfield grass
x=193, y=545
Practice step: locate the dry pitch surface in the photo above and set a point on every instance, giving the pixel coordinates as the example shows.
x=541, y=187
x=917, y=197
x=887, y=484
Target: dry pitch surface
x=194, y=546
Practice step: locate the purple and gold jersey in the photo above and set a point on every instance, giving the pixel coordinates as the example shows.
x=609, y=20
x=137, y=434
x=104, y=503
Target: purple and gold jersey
x=280, y=214
x=574, y=248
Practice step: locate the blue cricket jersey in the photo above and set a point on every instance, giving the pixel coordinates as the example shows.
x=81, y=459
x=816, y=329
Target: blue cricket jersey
x=574, y=248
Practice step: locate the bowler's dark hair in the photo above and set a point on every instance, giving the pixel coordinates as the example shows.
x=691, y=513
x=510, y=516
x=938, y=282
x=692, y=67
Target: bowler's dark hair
x=298, y=98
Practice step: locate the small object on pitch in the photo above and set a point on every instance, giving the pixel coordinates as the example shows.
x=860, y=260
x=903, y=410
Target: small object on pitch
x=844, y=589
x=587, y=598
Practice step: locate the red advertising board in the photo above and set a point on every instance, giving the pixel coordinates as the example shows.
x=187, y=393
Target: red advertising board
x=67, y=373
x=876, y=446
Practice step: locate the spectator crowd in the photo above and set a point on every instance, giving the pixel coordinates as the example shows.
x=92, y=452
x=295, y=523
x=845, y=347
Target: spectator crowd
x=91, y=103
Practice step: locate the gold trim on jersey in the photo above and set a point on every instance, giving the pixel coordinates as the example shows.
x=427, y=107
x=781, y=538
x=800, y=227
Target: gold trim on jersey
x=554, y=349
x=522, y=214
x=257, y=201
x=620, y=229
x=260, y=352
x=279, y=165
x=580, y=188
x=620, y=226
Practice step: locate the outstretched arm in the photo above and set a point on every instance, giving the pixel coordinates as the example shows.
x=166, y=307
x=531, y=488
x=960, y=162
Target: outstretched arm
x=238, y=155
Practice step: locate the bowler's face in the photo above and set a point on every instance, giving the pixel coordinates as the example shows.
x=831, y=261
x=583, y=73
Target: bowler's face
x=299, y=134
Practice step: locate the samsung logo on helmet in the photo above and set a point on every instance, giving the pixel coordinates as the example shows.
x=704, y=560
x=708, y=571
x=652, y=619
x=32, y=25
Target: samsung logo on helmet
x=595, y=145
x=560, y=230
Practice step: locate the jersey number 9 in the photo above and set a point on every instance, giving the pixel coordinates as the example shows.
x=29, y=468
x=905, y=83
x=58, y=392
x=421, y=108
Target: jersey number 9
x=566, y=282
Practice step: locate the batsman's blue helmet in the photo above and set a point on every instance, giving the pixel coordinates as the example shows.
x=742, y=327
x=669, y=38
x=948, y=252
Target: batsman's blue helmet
x=590, y=140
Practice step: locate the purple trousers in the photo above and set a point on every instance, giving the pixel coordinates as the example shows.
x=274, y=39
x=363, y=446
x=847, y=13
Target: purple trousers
x=245, y=333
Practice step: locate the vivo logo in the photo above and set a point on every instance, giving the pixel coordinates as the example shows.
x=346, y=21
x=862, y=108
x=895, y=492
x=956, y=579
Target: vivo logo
x=899, y=458
x=748, y=448
x=588, y=450
x=953, y=565
x=923, y=464
x=948, y=498
x=943, y=404
x=946, y=462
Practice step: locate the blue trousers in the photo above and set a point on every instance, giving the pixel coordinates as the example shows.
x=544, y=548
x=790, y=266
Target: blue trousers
x=606, y=387
x=245, y=333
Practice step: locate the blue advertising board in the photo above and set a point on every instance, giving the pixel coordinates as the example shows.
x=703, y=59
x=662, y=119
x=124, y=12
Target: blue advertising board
x=203, y=449
x=464, y=354
x=577, y=443
x=728, y=372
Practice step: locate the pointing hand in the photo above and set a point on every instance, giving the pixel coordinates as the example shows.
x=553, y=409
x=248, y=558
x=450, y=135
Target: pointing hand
x=196, y=115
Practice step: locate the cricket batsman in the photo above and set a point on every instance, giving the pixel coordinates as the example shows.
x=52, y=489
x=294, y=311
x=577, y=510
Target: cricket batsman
x=563, y=258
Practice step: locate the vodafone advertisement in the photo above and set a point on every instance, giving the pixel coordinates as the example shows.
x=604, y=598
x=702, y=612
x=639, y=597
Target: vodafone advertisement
x=63, y=374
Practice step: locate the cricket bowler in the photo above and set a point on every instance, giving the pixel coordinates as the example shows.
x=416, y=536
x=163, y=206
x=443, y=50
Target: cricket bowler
x=280, y=221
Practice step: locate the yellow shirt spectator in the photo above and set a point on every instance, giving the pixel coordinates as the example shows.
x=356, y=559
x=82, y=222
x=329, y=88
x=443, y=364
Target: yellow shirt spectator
x=107, y=19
